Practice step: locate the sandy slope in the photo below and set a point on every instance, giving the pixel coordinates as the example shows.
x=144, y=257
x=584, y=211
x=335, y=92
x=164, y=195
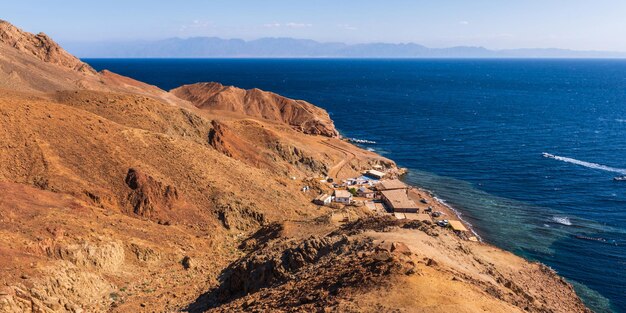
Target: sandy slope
x=472, y=276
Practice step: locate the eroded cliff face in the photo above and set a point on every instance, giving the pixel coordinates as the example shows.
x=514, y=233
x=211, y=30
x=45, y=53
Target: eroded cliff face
x=116, y=196
x=299, y=114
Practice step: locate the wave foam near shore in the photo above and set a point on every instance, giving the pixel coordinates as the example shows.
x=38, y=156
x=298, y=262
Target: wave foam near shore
x=356, y=140
x=459, y=214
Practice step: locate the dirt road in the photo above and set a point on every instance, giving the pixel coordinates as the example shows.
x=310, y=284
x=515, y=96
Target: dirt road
x=336, y=169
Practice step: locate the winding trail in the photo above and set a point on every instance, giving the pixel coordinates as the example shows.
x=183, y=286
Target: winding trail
x=336, y=169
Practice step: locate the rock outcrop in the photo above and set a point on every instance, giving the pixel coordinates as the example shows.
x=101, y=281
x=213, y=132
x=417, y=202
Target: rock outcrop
x=298, y=157
x=149, y=197
x=299, y=114
x=306, y=276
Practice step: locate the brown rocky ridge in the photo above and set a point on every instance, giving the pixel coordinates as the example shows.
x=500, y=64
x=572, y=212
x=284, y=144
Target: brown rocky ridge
x=117, y=196
x=261, y=104
x=41, y=47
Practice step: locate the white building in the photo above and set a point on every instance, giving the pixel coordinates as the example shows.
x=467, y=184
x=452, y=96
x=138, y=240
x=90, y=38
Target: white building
x=323, y=199
x=375, y=174
x=343, y=196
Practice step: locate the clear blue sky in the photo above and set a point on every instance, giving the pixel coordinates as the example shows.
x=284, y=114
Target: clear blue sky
x=497, y=24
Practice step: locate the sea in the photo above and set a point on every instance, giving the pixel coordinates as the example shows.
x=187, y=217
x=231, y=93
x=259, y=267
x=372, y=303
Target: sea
x=525, y=149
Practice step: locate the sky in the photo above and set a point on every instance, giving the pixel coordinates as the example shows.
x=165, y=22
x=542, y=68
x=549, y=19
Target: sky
x=569, y=24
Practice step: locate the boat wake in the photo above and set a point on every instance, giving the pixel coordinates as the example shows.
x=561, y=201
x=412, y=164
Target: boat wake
x=586, y=164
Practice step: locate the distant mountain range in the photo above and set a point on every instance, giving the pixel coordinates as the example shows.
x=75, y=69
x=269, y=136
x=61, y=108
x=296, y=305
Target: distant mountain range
x=213, y=47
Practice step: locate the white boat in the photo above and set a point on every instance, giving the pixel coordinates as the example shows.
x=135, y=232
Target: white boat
x=548, y=155
x=620, y=178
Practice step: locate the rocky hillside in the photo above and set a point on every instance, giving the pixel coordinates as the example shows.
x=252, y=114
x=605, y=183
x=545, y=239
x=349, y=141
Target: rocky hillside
x=381, y=264
x=261, y=104
x=41, y=47
x=35, y=63
x=116, y=196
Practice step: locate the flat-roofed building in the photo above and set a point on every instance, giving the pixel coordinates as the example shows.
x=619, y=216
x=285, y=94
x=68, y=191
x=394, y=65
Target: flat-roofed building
x=323, y=199
x=375, y=174
x=343, y=196
x=457, y=226
x=398, y=201
x=391, y=184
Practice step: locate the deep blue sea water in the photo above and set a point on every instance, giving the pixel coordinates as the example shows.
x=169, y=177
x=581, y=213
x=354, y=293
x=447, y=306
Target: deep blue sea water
x=473, y=131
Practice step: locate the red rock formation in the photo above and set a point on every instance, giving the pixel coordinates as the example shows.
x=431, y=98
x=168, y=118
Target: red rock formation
x=149, y=197
x=299, y=114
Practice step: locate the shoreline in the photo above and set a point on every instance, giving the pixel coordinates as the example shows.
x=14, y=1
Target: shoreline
x=360, y=143
x=459, y=215
x=441, y=205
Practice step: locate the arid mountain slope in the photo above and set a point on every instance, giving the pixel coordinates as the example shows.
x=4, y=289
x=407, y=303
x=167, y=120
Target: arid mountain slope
x=123, y=149
x=61, y=254
x=261, y=104
x=86, y=144
x=41, y=47
x=35, y=63
x=116, y=196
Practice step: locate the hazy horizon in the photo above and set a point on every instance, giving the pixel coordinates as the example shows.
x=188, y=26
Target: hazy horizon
x=560, y=24
x=285, y=47
x=70, y=42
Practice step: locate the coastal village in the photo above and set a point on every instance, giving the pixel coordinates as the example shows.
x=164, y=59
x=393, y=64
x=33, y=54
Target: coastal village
x=381, y=192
